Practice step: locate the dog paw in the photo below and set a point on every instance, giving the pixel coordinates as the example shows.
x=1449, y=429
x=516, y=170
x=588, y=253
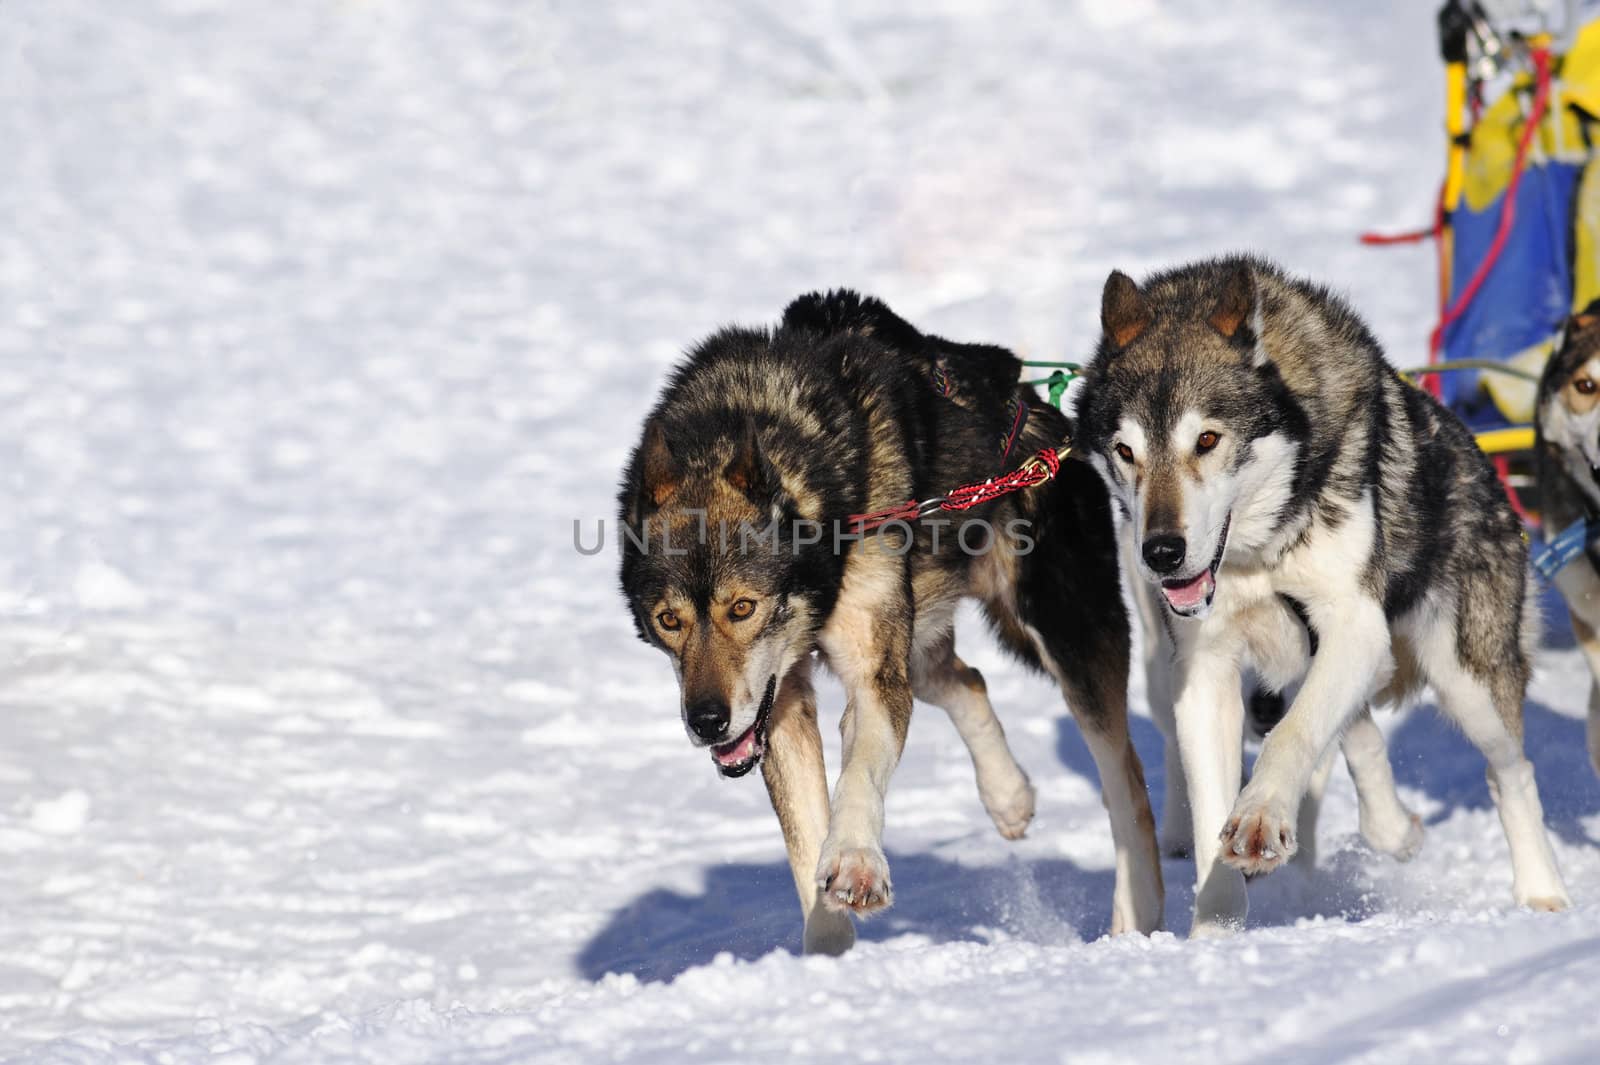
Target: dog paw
x=1547, y=903
x=1010, y=807
x=1214, y=929
x=1400, y=838
x=854, y=879
x=1258, y=838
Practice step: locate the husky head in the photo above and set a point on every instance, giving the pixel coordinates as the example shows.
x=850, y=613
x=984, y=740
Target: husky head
x=1569, y=401
x=1187, y=419
x=714, y=578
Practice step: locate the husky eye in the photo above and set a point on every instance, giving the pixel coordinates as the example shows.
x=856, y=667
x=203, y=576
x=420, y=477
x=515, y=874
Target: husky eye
x=669, y=621
x=1584, y=385
x=741, y=609
x=1125, y=452
x=1206, y=442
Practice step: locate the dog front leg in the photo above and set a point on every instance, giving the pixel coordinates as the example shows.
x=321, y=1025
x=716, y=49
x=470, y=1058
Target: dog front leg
x=1177, y=820
x=1210, y=721
x=867, y=641
x=852, y=872
x=797, y=783
x=1353, y=660
x=1155, y=645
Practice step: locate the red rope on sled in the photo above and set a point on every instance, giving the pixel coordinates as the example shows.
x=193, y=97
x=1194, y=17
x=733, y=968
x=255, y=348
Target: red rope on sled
x=1508, y=214
x=1508, y=207
x=1037, y=470
x=1415, y=236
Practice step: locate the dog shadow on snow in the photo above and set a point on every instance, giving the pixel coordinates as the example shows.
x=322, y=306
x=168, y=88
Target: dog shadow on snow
x=748, y=910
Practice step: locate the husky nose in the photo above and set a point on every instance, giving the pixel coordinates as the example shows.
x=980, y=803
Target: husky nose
x=1163, y=552
x=709, y=719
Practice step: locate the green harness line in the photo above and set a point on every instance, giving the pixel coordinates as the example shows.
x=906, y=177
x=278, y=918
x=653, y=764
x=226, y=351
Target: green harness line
x=1057, y=381
x=1471, y=364
x=1068, y=372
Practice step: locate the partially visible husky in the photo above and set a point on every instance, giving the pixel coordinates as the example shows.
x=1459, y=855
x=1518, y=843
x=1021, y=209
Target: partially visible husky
x=846, y=410
x=1569, y=483
x=1307, y=513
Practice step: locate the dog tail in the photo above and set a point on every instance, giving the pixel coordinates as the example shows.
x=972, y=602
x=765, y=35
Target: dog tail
x=846, y=311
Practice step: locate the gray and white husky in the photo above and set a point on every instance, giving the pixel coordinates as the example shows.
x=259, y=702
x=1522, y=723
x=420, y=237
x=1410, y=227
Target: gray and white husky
x=1569, y=485
x=1309, y=515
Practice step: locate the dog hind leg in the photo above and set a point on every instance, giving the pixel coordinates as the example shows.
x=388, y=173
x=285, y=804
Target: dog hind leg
x=1310, y=810
x=1495, y=727
x=941, y=679
x=1385, y=822
x=797, y=783
x=1536, y=881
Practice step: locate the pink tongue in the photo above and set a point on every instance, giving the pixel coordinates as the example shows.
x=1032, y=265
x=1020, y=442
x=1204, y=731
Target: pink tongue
x=1188, y=596
x=738, y=751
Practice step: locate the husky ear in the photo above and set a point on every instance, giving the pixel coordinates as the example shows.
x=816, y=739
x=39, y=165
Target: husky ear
x=1584, y=319
x=1237, y=301
x=748, y=470
x=658, y=467
x=1124, y=312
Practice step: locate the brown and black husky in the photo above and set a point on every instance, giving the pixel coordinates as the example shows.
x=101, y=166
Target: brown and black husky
x=739, y=561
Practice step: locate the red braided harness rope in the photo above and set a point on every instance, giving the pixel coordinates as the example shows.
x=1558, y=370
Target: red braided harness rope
x=1037, y=470
x=1508, y=204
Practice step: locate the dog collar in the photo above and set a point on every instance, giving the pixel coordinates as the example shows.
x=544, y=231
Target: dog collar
x=1565, y=546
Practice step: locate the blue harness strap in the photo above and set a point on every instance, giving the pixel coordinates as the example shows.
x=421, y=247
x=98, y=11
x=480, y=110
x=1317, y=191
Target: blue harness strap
x=1565, y=546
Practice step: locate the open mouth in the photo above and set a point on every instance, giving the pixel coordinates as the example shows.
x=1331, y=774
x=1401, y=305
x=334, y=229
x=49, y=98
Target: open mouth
x=743, y=753
x=1193, y=595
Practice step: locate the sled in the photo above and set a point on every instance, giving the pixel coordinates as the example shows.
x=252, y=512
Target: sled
x=1517, y=221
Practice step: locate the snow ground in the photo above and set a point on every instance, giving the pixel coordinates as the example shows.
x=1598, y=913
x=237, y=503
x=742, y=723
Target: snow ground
x=320, y=323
